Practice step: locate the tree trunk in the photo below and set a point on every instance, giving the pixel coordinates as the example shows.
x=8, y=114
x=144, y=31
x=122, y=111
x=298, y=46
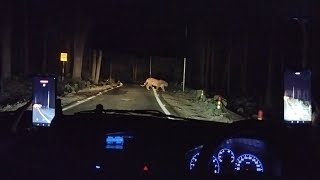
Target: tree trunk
x=94, y=65
x=80, y=34
x=6, y=50
x=212, y=64
x=305, y=44
x=78, y=56
x=282, y=65
x=202, y=66
x=227, y=74
x=268, y=102
x=150, y=68
x=44, y=60
x=110, y=70
x=98, y=67
x=207, y=66
x=135, y=69
x=244, y=66
x=5, y=40
x=26, y=40
x=68, y=63
x=268, y=98
x=26, y=54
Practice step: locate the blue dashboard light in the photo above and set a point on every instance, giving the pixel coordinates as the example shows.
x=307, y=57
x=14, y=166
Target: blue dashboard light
x=226, y=154
x=118, y=140
x=193, y=161
x=98, y=167
x=193, y=155
x=248, y=162
x=116, y=147
x=115, y=140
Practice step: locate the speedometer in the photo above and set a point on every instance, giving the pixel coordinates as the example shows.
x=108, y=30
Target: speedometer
x=248, y=163
x=214, y=166
x=225, y=155
x=193, y=161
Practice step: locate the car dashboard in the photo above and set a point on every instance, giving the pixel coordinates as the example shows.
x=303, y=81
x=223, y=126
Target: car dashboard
x=100, y=147
x=234, y=156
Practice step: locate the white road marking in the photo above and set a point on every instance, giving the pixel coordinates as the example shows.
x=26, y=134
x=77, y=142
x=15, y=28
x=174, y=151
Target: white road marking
x=89, y=98
x=162, y=106
x=43, y=115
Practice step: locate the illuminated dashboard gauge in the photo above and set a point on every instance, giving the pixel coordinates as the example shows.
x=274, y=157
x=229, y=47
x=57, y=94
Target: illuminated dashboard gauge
x=193, y=161
x=214, y=166
x=248, y=163
x=225, y=155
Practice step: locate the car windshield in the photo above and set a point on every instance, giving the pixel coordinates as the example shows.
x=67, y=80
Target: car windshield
x=221, y=61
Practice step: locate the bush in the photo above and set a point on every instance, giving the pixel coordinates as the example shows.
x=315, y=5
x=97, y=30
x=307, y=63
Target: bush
x=15, y=89
x=244, y=105
x=86, y=75
x=81, y=85
x=76, y=87
x=76, y=84
x=63, y=87
x=68, y=88
x=216, y=98
x=200, y=96
x=93, y=85
x=60, y=89
x=217, y=105
x=4, y=98
x=71, y=82
x=101, y=83
x=111, y=81
x=214, y=109
x=87, y=84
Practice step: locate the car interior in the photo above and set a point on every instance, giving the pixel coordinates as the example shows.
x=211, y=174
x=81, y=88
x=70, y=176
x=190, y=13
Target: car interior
x=117, y=144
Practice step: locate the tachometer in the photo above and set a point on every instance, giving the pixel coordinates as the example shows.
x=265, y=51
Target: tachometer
x=247, y=163
x=214, y=166
x=225, y=155
x=193, y=161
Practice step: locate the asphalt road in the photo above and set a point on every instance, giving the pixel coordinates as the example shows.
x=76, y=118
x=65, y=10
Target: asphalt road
x=127, y=97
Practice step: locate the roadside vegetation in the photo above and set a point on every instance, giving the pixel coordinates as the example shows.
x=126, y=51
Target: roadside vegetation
x=18, y=90
x=199, y=104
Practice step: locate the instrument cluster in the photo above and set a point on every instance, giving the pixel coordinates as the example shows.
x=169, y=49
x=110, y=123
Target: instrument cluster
x=234, y=155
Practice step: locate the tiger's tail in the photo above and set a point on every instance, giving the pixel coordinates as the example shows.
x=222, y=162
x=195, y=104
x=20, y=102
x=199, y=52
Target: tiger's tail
x=145, y=83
